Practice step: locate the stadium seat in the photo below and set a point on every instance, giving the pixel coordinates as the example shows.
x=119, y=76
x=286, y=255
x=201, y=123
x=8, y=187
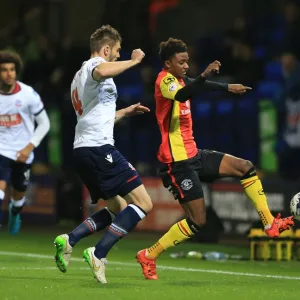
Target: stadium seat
x=225, y=107
x=247, y=106
x=249, y=153
x=130, y=92
x=260, y=52
x=224, y=142
x=203, y=109
x=204, y=140
x=277, y=36
x=269, y=89
x=273, y=71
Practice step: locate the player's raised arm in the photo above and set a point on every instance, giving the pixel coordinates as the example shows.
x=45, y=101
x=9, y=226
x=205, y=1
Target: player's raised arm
x=208, y=85
x=112, y=69
x=195, y=86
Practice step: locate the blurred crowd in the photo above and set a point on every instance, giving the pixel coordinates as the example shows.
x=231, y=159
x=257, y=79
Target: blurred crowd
x=262, y=53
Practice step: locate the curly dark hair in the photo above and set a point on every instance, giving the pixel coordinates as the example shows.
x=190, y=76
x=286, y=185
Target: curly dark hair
x=7, y=56
x=170, y=47
x=102, y=36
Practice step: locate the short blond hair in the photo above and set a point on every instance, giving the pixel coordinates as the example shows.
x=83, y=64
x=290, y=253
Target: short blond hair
x=104, y=35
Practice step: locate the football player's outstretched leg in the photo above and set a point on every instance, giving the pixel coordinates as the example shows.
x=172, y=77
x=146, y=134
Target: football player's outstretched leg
x=184, y=166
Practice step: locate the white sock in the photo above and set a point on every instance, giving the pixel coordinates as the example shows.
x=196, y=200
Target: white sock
x=18, y=203
x=2, y=195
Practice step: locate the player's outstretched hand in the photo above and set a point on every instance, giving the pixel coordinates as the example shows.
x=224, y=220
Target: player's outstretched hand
x=135, y=109
x=137, y=55
x=238, y=88
x=212, y=68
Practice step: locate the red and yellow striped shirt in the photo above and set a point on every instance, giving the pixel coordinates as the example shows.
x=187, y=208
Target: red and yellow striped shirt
x=174, y=120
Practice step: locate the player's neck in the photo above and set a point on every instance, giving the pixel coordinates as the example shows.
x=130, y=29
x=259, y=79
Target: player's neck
x=165, y=69
x=7, y=89
x=98, y=54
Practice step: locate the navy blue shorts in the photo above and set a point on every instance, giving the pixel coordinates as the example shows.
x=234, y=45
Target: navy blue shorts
x=16, y=173
x=105, y=172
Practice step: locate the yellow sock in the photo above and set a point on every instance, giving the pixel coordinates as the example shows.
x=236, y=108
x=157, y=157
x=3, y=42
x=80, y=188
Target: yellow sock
x=178, y=233
x=254, y=191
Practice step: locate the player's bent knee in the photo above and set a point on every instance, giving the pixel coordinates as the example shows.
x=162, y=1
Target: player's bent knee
x=245, y=165
x=145, y=203
x=3, y=185
x=17, y=195
x=116, y=204
x=141, y=198
x=248, y=164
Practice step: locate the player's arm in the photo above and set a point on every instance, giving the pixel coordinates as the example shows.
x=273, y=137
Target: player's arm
x=209, y=85
x=200, y=83
x=171, y=88
x=112, y=69
x=135, y=109
x=43, y=126
x=220, y=86
x=214, y=68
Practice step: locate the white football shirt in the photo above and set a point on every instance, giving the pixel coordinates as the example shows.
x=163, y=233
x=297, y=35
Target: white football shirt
x=17, y=119
x=95, y=106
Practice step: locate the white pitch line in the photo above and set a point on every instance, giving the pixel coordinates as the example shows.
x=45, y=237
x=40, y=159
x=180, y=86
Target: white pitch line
x=45, y=268
x=33, y=255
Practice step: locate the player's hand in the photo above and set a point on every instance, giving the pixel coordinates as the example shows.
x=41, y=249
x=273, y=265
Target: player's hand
x=137, y=55
x=23, y=154
x=238, y=88
x=135, y=109
x=212, y=68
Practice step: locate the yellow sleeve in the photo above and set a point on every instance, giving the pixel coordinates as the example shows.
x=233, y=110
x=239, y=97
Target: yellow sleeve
x=169, y=86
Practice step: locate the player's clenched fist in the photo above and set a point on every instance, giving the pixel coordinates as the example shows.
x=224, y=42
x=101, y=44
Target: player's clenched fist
x=137, y=55
x=212, y=68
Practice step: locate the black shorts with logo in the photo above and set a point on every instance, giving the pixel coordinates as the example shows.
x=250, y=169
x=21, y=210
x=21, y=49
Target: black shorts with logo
x=105, y=172
x=183, y=178
x=16, y=173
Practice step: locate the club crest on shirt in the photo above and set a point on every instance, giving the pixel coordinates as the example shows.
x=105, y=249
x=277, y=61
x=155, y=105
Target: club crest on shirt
x=18, y=103
x=173, y=87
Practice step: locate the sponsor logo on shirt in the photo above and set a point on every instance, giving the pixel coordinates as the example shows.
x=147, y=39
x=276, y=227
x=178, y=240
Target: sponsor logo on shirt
x=168, y=80
x=10, y=120
x=185, y=111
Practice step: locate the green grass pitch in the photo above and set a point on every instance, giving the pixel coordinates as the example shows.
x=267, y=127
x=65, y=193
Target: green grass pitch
x=28, y=271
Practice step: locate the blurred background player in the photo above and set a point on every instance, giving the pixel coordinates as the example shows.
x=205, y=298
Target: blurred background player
x=184, y=166
x=20, y=108
x=102, y=168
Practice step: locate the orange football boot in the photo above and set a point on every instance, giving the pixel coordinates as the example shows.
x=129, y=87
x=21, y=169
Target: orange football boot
x=148, y=265
x=279, y=225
